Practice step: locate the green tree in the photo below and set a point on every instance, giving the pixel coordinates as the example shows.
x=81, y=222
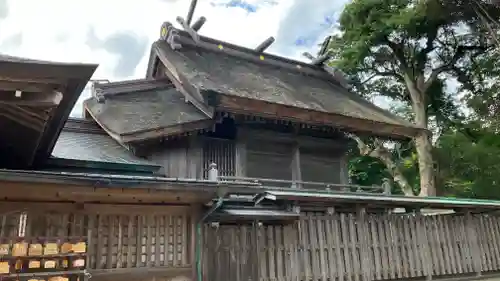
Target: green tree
x=407, y=50
x=469, y=168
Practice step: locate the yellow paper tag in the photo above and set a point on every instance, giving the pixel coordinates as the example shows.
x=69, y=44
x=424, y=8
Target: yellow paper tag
x=19, y=249
x=50, y=249
x=79, y=247
x=4, y=267
x=79, y=263
x=4, y=249
x=34, y=264
x=50, y=264
x=35, y=250
x=66, y=248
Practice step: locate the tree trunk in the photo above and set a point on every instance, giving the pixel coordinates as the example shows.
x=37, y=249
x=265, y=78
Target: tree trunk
x=423, y=141
x=425, y=165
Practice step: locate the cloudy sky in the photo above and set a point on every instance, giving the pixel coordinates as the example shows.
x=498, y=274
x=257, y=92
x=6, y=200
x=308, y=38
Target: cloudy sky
x=117, y=34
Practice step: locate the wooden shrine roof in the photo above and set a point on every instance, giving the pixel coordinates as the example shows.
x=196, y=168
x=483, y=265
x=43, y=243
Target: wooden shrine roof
x=84, y=140
x=216, y=74
x=142, y=109
x=37, y=97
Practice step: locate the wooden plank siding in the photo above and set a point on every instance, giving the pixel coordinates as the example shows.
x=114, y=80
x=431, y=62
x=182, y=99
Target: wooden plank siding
x=119, y=238
x=354, y=247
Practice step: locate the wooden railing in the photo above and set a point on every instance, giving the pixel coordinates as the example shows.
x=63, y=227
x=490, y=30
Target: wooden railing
x=213, y=174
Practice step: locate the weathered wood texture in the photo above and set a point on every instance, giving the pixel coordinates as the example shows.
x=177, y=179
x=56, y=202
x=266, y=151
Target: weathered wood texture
x=353, y=247
x=179, y=159
x=121, y=240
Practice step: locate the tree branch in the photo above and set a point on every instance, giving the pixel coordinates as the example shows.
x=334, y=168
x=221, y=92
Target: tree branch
x=398, y=52
x=421, y=58
x=459, y=53
x=378, y=151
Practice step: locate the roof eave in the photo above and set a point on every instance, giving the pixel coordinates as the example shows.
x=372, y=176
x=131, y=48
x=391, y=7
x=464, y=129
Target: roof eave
x=246, y=106
x=70, y=79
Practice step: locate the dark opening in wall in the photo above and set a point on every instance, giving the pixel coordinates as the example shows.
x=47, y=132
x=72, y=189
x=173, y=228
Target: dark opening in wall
x=225, y=129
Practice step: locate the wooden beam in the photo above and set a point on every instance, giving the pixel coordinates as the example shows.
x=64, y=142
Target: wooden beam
x=28, y=119
x=52, y=98
x=29, y=86
x=266, y=109
x=18, y=191
x=92, y=208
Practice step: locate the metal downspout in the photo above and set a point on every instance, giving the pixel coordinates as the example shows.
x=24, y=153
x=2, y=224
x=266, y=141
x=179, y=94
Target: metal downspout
x=214, y=208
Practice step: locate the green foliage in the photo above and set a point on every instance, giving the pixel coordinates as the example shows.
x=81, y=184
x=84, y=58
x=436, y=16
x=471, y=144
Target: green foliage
x=469, y=169
x=445, y=52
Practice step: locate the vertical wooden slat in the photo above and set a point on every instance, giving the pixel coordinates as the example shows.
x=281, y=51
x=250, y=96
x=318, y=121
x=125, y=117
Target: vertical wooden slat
x=129, y=240
x=100, y=242
x=337, y=234
x=496, y=239
x=413, y=236
x=392, y=262
x=261, y=241
x=90, y=240
x=304, y=243
x=364, y=254
x=345, y=240
x=449, y=243
x=424, y=246
x=455, y=239
x=331, y=246
x=356, y=266
x=157, y=243
x=474, y=245
x=376, y=247
x=403, y=243
x=321, y=246
x=119, y=253
x=385, y=264
x=138, y=243
x=111, y=242
x=466, y=246
x=313, y=244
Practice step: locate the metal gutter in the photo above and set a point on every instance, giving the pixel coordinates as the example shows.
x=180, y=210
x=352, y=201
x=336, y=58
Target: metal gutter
x=393, y=200
x=109, y=180
x=98, y=165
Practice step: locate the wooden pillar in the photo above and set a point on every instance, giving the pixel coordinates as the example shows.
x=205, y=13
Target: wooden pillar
x=241, y=158
x=195, y=157
x=296, y=171
x=344, y=170
x=195, y=218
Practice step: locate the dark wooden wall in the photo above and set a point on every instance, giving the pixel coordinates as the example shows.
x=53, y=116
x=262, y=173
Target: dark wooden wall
x=255, y=154
x=354, y=247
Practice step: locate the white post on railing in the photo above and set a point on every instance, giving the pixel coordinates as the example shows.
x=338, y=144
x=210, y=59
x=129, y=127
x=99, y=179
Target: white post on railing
x=213, y=173
x=386, y=186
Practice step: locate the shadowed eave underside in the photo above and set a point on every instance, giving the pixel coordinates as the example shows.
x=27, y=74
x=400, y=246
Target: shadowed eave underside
x=241, y=80
x=152, y=109
x=36, y=99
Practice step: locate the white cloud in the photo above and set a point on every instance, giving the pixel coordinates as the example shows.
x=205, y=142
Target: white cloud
x=94, y=30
